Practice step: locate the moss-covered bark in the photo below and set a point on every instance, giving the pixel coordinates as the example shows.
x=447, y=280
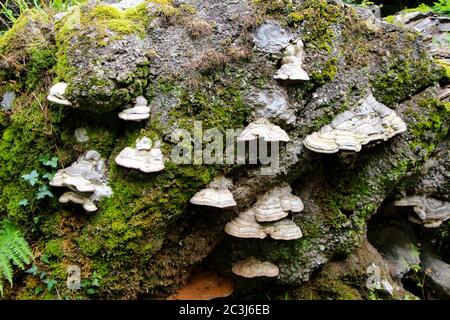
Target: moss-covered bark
x=146, y=238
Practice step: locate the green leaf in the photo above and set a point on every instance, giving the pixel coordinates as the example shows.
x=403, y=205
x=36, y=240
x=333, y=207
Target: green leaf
x=44, y=258
x=48, y=176
x=23, y=202
x=44, y=192
x=53, y=162
x=33, y=270
x=38, y=291
x=31, y=177
x=14, y=251
x=51, y=283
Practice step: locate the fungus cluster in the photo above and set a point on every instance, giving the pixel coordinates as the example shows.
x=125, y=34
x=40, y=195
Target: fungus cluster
x=86, y=178
x=431, y=212
x=267, y=217
x=145, y=157
x=291, y=64
x=350, y=130
x=139, y=112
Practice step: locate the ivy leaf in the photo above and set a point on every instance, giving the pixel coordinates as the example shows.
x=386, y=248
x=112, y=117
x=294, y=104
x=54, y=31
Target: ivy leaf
x=31, y=177
x=53, y=162
x=23, y=202
x=44, y=192
x=51, y=283
x=48, y=176
x=33, y=270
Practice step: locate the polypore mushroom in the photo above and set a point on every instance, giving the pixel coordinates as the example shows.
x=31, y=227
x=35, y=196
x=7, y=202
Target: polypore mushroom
x=262, y=128
x=73, y=277
x=216, y=194
x=291, y=64
x=276, y=204
x=285, y=229
x=432, y=212
x=245, y=226
x=204, y=285
x=57, y=94
x=77, y=198
x=144, y=158
x=86, y=175
x=252, y=267
x=350, y=130
x=139, y=112
x=81, y=135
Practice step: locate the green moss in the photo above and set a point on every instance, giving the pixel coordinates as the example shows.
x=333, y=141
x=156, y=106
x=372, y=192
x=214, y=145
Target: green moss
x=337, y=290
x=28, y=136
x=27, y=49
x=54, y=249
x=41, y=63
x=405, y=75
x=222, y=110
x=389, y=19
x=446, y=66
x=326, y=72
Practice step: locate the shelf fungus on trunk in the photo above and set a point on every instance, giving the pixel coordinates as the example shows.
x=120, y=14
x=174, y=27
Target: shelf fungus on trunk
x=252, y=268
x=204, y=285
x=87, y=180
x=78, y=198
x=276, y=204
x=245, y=226
x=139, y=112
x=291, y=64
x=350, y=130
x=431, y=212
x=217, y=194
x=284, y=229
x=57, y=94
x=145, y=157
x=262, y=128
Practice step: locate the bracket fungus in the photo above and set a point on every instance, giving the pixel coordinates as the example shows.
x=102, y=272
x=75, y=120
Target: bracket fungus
x=77, y=198
x=276, y=204
x=217, y=194
x=291, y=63
x=252, y=268
x=245, y=226
x=139, y=112
x=431, y=212
x=284, y=229
x=73, y=277
x=86, y=175
x=262, y=128
x=204, y=285
x=144, y=158
x=350, y=130
x=57, y=94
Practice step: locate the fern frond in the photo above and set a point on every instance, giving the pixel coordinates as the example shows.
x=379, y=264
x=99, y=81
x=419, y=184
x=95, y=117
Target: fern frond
x=14, y=251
